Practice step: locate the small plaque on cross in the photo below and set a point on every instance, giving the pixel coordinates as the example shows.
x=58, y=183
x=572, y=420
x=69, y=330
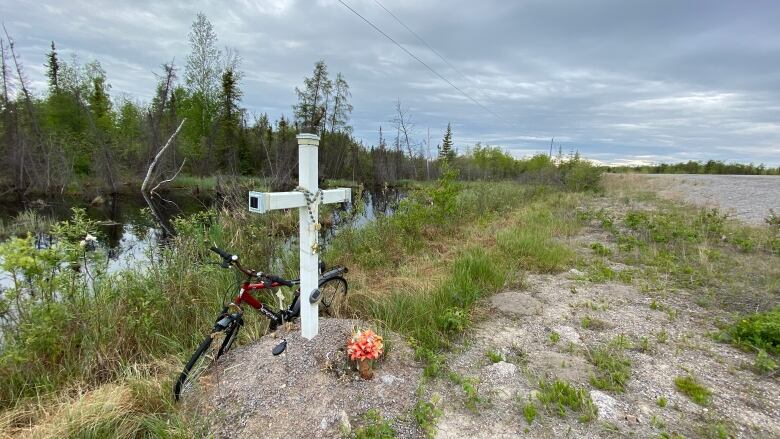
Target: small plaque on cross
x=307, y=199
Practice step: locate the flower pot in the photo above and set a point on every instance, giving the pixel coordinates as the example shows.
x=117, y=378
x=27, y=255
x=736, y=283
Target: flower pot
x=365, y=369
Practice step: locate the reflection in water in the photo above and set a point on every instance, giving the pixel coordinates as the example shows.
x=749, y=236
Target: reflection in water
x=131, y=231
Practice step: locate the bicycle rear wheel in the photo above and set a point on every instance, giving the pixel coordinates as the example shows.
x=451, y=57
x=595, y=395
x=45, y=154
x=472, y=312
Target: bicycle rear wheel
x=199, y=362
x=334, y=294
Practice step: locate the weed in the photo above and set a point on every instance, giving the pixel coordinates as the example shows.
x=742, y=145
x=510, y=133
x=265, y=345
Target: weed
x=374, y=427
x=494, y=356
x=426, y=414
x=454, y=320
x=654, y=305
x=773, y=219
x=554, y=337
x=662, y=336
x=529, y=412
x=757, y=331
x=599, y=272
x=764, y=362
x=716, y=430
x=620, y=342
x=689, y=386
x=600, y=249
x=644, y=344
x=558, y=395
x=613, y=369
x=594, y=324
x=470, y=390
x=662, y=402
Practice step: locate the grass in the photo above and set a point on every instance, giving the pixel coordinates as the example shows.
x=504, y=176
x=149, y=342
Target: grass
x=613, y=368
x=374, y=427
x=662, y=402
x=418, y=273
x=468, y=385
x=559, y=397
x=494, y=356
x=689, y=386
x=426, y=413
x=529, y=412
x=760, y=331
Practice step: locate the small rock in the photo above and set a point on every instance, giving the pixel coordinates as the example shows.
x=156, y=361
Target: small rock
x=390, y=379
x=631, y=419
x=345, y=427
x=502, y=369
x=575, y=272
x=606, y=404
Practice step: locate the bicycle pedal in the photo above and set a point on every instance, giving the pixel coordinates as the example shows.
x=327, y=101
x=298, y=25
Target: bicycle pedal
x=278, y=349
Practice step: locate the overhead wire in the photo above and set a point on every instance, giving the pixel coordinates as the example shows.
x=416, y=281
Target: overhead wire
x=439, y=75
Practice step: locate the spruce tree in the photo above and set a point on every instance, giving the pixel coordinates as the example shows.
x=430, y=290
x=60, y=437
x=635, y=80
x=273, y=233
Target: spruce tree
x=53, y=69
x=447, y=152
x=310, y=112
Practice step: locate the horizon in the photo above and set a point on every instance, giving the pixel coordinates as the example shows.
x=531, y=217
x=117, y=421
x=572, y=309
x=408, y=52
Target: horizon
x=661, y=82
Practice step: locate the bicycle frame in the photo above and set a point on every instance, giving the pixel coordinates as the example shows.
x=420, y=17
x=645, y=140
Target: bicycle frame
x=245, y=296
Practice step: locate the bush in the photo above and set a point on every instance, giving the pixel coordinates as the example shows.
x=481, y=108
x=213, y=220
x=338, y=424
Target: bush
x=757, y=331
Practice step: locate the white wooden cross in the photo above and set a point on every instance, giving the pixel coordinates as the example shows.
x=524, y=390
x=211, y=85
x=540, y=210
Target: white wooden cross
x=261, y=202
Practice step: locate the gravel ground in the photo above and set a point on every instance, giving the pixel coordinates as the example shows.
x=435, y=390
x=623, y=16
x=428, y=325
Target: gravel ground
x=309, y=391
x=747, y=197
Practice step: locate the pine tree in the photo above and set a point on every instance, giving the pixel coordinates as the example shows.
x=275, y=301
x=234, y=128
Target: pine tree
x=446, y=151
x=339, y=114
x=53, y=69
x=310, y=112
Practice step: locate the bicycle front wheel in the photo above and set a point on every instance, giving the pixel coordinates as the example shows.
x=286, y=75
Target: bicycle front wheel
x=334, y=294
x=199, y=362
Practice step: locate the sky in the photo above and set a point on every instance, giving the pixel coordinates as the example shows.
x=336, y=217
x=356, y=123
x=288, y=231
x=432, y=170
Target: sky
x=622, y=82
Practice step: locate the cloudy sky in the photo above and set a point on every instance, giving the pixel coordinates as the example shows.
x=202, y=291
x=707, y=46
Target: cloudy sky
x=620, y=81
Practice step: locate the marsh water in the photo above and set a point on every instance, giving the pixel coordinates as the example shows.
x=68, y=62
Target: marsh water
x=130, y=235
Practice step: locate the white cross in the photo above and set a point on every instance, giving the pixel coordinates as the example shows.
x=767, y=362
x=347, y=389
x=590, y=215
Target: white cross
x=261, y=202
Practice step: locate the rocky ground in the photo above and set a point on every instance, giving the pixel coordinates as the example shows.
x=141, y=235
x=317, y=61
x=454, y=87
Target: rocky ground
x=747, y=197
x=309, y=391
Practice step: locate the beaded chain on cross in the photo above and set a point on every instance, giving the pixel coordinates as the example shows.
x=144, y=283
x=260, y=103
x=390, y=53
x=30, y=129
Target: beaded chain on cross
x=311, y=200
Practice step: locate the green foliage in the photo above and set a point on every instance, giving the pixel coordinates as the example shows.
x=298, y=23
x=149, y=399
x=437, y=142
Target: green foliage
x=557, y=396
x=374, y=427
x=470, y=391
x=689, y=386
x=764, y=363
x=600, y=249
x=494, y=356
x=426, y=413
x=759, y=331
x=454, y=320
x=662, y=402
x=695, y=167
x=613, y=368
x=554, y=337
x=529, y=412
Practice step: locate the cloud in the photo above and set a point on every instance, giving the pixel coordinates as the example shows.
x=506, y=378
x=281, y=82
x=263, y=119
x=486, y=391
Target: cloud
x=618, y=81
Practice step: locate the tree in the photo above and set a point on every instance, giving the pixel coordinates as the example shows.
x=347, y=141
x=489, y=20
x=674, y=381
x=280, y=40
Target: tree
x=339, y=114
x=404, y=130
x=311, y=110
x=230, y=116
x=53, y=69
x=447, y=152
x=203, y=62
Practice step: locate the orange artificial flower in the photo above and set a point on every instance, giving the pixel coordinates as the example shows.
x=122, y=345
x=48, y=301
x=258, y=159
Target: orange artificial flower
x=365, y=345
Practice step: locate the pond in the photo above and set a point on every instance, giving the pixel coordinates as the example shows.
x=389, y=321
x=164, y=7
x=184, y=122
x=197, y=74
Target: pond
x=129, y=235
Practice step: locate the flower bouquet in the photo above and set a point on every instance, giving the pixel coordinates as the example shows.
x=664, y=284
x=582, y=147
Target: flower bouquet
x=364, y=347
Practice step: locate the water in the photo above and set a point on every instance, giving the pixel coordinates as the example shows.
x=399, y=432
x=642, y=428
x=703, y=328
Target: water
x=129, y=236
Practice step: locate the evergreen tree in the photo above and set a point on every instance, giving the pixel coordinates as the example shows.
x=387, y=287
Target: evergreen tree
x=53, y=69
x=447, y=152
x=310, y=112
x=339, y=114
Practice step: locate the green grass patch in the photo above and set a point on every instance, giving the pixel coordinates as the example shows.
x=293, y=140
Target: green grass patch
x=689, y=386
x=559, y=397
x=374, y=427
x=760, y=331
x=613, y=368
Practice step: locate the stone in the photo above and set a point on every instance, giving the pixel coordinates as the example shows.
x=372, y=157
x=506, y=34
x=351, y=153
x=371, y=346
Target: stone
x=606, y=404
x=516, y=303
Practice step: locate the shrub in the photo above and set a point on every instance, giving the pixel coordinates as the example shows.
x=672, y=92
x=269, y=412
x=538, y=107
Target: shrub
x=757, y=331
x=556, y=396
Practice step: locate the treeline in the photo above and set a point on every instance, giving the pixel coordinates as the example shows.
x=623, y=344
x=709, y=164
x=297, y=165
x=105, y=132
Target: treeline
x=695, y=167
x=77, y=133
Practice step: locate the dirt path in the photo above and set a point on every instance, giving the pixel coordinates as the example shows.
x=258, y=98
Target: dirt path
x=747, y=197
x=523, y=334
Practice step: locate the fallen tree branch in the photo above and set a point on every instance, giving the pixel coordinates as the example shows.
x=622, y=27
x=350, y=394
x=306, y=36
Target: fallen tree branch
x=155, y=162
x=168, y=180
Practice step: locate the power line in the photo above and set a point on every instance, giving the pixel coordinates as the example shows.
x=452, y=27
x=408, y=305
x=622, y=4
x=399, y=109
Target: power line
x=424, y=64
x=416, y=35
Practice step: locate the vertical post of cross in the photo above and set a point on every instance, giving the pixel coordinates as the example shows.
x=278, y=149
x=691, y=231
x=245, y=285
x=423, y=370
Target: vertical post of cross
x=308, y=152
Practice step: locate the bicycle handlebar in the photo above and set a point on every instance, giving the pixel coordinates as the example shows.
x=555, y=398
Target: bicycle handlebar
x=228, y=259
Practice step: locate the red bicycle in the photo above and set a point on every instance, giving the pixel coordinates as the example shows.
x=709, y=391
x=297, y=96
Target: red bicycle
x=331, y=293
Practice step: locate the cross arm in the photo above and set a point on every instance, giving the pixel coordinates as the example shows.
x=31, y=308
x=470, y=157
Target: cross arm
x=261, y=202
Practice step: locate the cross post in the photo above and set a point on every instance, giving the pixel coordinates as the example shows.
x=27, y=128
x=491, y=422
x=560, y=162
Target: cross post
x=307, y=199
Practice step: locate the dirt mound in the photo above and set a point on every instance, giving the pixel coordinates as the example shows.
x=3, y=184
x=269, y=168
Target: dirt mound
x=311, y=390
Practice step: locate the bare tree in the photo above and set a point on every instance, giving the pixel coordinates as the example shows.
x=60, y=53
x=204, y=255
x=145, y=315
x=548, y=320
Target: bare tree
x=405, y=131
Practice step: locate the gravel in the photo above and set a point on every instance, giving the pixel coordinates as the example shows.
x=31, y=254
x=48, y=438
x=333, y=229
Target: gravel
x=311, y=390
x=748, y=197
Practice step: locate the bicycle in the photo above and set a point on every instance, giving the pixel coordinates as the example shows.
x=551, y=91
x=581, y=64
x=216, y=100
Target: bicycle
x=332, y=291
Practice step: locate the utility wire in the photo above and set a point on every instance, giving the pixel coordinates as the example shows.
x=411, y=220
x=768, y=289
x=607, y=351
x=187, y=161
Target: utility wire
x=424, y=64
x=430, y=48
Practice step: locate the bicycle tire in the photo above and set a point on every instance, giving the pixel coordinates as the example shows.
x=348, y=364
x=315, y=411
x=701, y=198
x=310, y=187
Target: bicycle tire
x=198, y=363
x=231, y=333
x=334, y=292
